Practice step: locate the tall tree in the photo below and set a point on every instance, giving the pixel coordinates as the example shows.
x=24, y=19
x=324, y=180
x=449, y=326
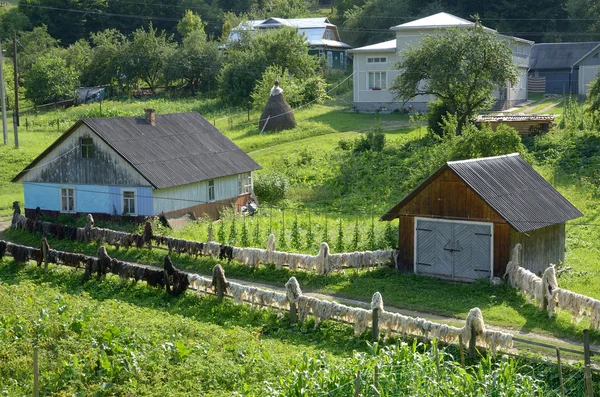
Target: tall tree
x=461, y=67
x=106, y=65
x=146, y=56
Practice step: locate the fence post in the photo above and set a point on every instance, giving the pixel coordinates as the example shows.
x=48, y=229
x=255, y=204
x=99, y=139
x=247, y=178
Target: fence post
x=357, y=385
x=588, y=370
x=219, y=282
x=210, y=231
x=36, y=387
x=45, y=252
x=560, y=374
x=376, y=380
x=473, y=342
x=377, y=309
x=437, y=358
x=293, y=292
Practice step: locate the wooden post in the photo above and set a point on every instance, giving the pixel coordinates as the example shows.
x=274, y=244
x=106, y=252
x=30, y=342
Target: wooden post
x=293, y=292
x=588, y=369
x=473, y=343
x=210, y=232
x=376, y=324
x=437, y=358
x=293, y=313
x=460, y=349
x=36, y=388
x=220, y=289
x=357, y=385
x=560, y=374
x=45, y=253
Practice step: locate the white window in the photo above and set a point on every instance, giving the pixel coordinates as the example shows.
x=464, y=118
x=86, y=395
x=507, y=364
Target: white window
x=244, y=183
x=211, y=190
x=328, y=34
x=67, y=199
x=129, y=203
x=377, y=80
x=342, y=59
x=87, y=148
x=330, y=59
x=377, y=60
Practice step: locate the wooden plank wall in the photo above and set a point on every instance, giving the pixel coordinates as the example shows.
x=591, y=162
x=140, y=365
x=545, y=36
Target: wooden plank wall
x=541, y=248
x=449, y=197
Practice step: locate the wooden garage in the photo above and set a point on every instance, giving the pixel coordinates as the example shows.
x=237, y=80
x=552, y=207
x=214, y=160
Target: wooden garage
x=462, y=222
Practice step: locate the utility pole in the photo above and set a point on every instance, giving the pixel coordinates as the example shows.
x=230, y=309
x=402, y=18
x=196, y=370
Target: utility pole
x=16, y=67
x=4, y=128
x=16, y=108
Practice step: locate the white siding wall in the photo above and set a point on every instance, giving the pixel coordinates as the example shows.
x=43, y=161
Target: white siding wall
x=587, y=74
x=180, y=197
x=362, y=93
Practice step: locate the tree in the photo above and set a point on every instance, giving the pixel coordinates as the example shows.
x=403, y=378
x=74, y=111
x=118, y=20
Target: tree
x=105, y=67
x=461, y=67
x=50, y=80
x=146, y=56
x=11, y=20
x=33, y=44
x=191, y=23
x=245, y=64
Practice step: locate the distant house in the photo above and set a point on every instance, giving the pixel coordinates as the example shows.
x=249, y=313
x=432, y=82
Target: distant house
x=322, y=36
x=464, y=220
x=374, y=65
x=137, y=167
x=563, y=68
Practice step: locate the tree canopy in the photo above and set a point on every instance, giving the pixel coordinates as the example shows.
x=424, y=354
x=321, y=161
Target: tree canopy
x=50, y=80
x=461, y=66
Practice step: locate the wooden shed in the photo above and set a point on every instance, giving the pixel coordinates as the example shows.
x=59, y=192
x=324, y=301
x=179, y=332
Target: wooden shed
x=526, y=125
x=464, y=220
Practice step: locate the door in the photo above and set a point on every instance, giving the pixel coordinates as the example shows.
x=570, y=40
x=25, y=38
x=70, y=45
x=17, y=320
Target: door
x=461, y=250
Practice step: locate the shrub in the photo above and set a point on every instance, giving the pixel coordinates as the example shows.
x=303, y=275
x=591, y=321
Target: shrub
x=435, y=117
x=271, y=187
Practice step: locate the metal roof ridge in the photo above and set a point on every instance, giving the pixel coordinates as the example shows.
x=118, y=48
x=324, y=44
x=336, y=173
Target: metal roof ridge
x=482, y=158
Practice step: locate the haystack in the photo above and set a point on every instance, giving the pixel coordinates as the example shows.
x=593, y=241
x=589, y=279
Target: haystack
x=277, y=114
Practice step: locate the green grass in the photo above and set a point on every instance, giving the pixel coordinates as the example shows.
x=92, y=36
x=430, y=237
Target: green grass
x=112, y=337
x=535, y=96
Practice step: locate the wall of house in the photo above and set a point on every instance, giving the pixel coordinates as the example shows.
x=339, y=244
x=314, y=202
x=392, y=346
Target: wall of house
x=183, y=197
x=448, y=197
x=541, y=248
x=66, y=165
x=559, y=81
x=339, y=58
x=88, y=198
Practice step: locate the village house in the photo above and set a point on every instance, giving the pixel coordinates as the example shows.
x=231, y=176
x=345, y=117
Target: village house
x=322, y=36
x=464, y=220
x=374, y=70
x=563, y=68
x=139, y=166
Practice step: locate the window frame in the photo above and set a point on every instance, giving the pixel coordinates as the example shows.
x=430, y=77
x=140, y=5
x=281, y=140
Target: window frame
x=380, y=60
x=247, y=187
x=135, y=202
x=380, y=72
x=73, y=196
x=211, y=188
x=89, y=152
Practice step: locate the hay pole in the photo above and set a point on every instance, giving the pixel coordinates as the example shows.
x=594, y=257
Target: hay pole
x=588, y=367
x=265, y=124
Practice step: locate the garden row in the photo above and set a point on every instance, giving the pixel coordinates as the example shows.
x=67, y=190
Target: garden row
x=323, y=263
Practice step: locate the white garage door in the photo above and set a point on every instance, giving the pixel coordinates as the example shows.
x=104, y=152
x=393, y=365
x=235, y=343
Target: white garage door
x=461, y=250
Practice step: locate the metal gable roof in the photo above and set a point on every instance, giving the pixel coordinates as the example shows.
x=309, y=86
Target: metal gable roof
x=182, y=148
x=512, y=188
x=559, y=55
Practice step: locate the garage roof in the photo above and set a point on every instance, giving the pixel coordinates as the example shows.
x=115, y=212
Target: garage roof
x=511, y=187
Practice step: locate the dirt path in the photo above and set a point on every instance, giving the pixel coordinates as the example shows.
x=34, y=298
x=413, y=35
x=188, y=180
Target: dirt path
x=551, y=103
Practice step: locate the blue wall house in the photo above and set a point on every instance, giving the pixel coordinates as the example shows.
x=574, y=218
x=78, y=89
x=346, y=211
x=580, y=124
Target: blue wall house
x=138, y=167
x=558, y=64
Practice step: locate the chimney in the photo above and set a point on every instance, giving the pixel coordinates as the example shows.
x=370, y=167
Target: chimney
x=150, y=116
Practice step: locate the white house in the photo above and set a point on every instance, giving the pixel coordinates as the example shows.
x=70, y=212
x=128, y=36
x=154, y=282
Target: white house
x=374, y=65
x=139, y=166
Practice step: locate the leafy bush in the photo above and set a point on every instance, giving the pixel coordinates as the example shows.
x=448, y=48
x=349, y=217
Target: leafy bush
x=435, y=117
x=373, y=140
x=271, y=187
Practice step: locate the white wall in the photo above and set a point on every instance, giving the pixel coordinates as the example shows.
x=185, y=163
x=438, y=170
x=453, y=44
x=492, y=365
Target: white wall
x=587, y=74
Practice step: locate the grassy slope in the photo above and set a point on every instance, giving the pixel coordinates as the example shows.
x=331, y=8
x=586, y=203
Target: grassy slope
x=123, y=338
x=316, y=140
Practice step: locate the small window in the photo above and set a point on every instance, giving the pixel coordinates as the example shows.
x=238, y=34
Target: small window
x=129, y=204
x=211, y=190
x=244, y=183
x=377, y=60
x=67, y=200
x=328, y=34
x=377, y=80
x=87, y=148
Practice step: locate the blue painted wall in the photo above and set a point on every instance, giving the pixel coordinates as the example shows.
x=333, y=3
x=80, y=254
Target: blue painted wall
x=88, y=198
x=560, y=81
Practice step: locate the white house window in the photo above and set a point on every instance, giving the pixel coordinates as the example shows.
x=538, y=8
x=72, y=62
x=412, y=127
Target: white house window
x=87, y=148
x=129, y=202
x=330, y=59
x=67, y=200
x=342, y=59
x=244, y=183
x=377, y=60
x=377, y=80
x=328, y=34
x=211, y=190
